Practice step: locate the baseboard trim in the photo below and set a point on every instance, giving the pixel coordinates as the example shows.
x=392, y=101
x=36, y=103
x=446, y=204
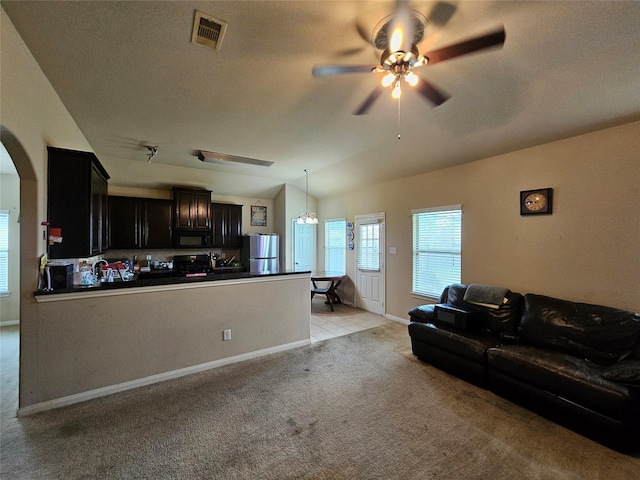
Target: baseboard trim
x=397, y=319
x=161, y=377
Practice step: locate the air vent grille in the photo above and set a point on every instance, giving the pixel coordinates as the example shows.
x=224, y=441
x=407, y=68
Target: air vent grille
x=208, y=31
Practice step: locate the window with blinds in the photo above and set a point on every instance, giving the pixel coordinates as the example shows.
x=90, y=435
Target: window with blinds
x=335, y=242
x=437, y=242
x=4, y=251
x=368, y=239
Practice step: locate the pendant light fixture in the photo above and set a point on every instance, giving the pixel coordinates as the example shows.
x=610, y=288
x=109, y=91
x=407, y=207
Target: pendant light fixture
x=306, y=217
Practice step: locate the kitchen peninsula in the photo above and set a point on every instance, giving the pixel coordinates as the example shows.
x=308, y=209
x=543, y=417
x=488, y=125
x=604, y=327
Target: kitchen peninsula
x=100, y=340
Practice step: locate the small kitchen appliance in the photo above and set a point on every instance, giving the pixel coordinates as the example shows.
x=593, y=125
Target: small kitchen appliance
x=192, y=265
x=60, y=275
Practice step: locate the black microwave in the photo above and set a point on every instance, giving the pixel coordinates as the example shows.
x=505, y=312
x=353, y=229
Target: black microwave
x=192, y=239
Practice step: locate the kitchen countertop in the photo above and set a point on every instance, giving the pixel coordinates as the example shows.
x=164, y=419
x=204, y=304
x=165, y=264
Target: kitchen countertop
x=158, y=281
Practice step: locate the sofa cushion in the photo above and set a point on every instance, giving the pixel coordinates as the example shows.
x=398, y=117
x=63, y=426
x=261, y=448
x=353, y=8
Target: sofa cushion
x=600, y=334
x=497, y=320
x=627, y=372
x=470, y=345
x=505, y=319
x=574, y=379
x=455, y=297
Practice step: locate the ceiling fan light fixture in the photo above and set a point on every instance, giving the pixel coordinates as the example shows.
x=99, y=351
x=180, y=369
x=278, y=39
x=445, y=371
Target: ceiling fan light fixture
x=396, y=41
x=411, y=78
x=415, y=23
x=388, y=79
x=397, y=91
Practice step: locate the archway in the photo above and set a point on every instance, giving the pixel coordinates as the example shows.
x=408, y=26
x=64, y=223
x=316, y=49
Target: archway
x=28, y=206
x=9, y=241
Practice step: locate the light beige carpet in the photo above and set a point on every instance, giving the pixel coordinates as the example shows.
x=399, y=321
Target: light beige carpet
x=354, y=407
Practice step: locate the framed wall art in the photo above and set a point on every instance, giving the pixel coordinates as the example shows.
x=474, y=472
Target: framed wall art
x=258, y=216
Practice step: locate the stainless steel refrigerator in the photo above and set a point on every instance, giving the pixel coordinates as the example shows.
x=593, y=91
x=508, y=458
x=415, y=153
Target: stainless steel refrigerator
x=260, y=253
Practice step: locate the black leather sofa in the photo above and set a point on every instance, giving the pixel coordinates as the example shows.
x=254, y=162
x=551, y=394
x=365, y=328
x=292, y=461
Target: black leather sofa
x=574, y=362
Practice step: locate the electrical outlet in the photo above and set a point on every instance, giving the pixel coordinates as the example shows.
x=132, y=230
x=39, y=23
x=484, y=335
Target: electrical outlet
x=226, y=334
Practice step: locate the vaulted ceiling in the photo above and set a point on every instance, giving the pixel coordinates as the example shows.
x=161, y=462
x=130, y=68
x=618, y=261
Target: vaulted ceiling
x=130, y=76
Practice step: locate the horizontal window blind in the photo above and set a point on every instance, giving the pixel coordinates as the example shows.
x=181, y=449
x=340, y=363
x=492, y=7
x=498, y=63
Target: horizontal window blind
x=335, y=240
x=4, y=251
x=437, y=238
x=369, y=246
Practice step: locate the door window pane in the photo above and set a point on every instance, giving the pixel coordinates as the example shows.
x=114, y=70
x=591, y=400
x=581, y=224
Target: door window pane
x=369, y=246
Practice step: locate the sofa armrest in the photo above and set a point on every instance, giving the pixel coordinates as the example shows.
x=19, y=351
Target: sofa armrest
x=423, y=314
x=625, y=371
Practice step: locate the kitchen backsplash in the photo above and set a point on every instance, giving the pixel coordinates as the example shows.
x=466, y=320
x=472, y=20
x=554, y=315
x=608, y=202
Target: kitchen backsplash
x=167, y=255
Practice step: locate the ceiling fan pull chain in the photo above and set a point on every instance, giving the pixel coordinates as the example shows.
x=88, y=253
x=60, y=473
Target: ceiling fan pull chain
x=399, y=117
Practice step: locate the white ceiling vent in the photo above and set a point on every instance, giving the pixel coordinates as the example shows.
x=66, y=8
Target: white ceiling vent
x=208, y=31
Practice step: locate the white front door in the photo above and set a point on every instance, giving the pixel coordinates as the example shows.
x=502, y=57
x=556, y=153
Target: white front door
x=370, y=271
x=304, y=247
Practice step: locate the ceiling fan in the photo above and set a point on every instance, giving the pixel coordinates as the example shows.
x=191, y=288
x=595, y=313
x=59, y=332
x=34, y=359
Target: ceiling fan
x=398, y=36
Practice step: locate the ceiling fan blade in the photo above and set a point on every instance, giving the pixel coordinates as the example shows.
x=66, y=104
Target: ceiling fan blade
x=328, y=70
x=346, y=52
x=494, y=39
x=363, y=33
x=441, y=13
x=366, y=105
x=431, y=93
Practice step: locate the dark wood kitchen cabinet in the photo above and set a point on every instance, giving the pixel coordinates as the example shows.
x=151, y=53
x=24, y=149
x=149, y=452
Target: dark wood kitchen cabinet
x=140, y=223
x=124, y=222
x=76, y=203
x=157, y=218
x=227, y=225
x=192, y=209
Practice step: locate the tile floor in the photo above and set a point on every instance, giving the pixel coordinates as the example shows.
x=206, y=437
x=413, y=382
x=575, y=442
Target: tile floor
x=326, y=324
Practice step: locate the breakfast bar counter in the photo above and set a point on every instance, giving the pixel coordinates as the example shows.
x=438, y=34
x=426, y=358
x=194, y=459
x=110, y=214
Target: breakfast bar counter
x=141, y=284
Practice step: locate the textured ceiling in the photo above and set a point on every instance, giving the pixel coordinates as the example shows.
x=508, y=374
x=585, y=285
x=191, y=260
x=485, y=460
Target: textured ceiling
x=130, y=76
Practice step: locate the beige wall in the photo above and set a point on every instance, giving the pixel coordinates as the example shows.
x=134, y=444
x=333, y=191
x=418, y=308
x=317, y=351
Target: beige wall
x=32, y=118
x=98, y=342
x=10, y=200
x=587, y=250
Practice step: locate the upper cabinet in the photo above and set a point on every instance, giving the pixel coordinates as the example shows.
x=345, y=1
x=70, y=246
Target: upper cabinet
x=227, y=225
x=125, y=222
x=192, y=209
x=157, y=221
x=140, y=223
x=77, y=203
